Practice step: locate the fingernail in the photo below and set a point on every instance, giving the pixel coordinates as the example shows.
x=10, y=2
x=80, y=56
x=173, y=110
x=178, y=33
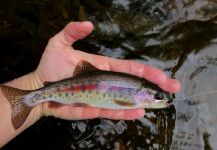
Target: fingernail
x=176, y=86
x=141, y=113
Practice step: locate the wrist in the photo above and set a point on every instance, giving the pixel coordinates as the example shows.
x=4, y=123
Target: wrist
x=30, y=81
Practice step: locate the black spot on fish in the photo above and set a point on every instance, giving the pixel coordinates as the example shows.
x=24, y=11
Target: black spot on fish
x=50, y=95
x=89, y=91
x=59, y=94
x=57, y=89
x=65, y=83
x=87, y=96
x=66, y=94
x=33, y=100
x=109, y=95
x=44, y=97
x=72, y=94
x=104, y=95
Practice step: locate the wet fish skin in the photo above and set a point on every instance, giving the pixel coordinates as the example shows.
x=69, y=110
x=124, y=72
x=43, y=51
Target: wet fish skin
x=88, y=87
x=92, y=89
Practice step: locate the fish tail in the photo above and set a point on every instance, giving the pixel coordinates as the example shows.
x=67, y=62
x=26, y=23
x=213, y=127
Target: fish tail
x=20, y=110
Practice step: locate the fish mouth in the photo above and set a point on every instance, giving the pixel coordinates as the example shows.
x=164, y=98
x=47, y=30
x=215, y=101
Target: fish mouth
x=170, y=99
x=170, y=102
x=164, y=103
x=159, y=104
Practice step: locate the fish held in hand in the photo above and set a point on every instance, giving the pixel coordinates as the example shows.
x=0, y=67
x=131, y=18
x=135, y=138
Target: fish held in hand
x=88, y=87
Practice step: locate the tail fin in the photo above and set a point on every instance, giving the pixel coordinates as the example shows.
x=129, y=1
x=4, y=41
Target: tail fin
x=20, y=110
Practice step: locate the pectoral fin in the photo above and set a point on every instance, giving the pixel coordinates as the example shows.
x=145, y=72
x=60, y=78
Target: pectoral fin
x=81, y=105
x=123, y=103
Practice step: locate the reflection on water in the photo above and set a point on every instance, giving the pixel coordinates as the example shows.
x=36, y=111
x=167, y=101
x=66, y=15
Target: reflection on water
x=143, y=133
x=197, y=116
x=178, y=36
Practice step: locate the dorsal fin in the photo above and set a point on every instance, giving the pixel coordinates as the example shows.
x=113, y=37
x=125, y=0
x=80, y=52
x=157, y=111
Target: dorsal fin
x=84, y=67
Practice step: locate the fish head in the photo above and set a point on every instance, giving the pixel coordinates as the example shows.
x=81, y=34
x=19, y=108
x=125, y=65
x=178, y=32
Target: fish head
x=149, y=98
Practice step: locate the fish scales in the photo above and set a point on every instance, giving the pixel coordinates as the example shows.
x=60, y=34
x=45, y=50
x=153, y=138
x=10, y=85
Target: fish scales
x=74, y=92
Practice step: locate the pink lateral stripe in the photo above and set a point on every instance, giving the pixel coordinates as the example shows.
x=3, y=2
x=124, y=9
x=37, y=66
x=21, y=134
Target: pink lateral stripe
x=79, y=88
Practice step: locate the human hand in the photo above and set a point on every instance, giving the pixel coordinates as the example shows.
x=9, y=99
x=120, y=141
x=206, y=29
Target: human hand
x=59, y=60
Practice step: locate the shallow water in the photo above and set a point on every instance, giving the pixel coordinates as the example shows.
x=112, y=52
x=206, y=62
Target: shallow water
x=178, y=36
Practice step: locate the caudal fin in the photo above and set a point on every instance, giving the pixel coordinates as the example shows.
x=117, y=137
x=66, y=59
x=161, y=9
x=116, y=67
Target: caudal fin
x=20, y=110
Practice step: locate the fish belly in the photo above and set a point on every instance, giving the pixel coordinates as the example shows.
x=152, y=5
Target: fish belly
x=94, y=98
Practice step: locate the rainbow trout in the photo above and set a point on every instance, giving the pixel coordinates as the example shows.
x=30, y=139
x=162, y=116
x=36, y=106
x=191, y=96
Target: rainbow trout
x=88, y=87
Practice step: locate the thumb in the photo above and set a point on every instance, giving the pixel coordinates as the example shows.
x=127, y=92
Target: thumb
x=74, y=31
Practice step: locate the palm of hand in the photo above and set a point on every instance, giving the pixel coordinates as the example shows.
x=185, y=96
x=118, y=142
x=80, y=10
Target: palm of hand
x=59, y=60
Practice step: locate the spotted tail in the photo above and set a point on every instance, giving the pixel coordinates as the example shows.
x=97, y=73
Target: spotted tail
x=20, y=110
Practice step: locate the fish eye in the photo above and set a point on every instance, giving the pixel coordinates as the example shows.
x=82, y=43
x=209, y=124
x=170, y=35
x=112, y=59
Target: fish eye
x=159, y=96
